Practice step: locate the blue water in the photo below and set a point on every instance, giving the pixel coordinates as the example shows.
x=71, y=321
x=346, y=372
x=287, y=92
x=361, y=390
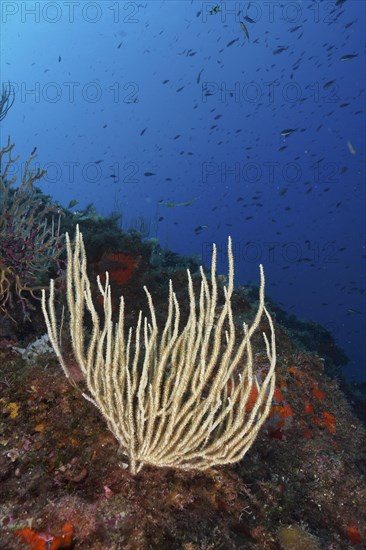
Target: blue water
x=205, y=134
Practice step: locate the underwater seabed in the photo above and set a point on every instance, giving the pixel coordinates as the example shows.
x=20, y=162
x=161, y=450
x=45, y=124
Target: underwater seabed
x=65, y=484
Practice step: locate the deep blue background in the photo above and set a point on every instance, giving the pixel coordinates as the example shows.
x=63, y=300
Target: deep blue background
x=89, y=79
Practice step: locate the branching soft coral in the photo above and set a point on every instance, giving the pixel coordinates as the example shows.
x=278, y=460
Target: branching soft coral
x=29, y=239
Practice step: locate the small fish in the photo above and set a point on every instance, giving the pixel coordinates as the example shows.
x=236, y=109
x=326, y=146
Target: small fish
x=200, y=228
x=243, y=27
x=348, y=56
x=328, y=84
x=143, y=131
x=248, y=19
x=215, y=9
x=232, y=42
x=59, y=58
x=149, y=174
x=174, y=204
x=280, y=49
x=34, y=150
x=354, y=311
x=288, y=132
x=294, y=29
x=72, y=203
x=351, y=149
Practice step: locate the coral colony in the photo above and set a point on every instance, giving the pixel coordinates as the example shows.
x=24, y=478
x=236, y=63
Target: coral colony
x=29, y=237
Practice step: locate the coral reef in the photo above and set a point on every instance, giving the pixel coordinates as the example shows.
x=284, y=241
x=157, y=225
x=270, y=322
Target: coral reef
x=59, y=464
x=301, y=486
